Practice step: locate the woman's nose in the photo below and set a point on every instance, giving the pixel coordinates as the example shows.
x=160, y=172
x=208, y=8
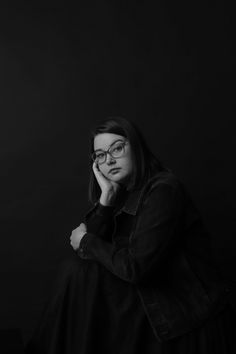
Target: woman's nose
x=110, y=159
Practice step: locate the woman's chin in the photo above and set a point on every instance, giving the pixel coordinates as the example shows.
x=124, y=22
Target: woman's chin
x=116, y=178
x=120, y=180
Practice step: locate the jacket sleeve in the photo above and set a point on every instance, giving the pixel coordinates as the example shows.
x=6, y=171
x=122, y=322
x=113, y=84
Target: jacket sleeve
x=153, y=236
x=99, y=220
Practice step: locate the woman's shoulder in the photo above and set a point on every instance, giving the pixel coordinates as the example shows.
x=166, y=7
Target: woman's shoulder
x=163, y=184
x=166, y=177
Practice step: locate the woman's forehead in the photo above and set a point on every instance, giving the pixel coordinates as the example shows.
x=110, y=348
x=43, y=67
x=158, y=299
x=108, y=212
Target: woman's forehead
x=104, y=140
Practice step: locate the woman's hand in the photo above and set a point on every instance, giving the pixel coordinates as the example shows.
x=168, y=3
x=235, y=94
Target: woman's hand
x=109, y=188
x=77, y=235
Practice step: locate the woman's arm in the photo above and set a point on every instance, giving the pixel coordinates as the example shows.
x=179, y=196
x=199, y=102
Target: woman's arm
x=99, y=221
x=155, y=233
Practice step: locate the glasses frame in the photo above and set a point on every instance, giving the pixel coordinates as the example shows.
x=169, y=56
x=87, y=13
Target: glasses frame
x=124, y=142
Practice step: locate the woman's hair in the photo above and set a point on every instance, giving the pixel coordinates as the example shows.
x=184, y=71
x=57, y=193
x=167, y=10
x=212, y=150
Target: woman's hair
x=145, y=162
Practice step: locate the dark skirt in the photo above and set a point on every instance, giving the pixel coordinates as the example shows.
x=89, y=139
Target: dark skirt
x=90, y=311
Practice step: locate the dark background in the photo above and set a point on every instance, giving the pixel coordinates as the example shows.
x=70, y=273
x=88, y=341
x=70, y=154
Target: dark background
x=169, y=67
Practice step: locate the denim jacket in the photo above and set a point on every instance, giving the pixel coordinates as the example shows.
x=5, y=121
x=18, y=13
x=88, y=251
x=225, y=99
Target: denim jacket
x=160, y=245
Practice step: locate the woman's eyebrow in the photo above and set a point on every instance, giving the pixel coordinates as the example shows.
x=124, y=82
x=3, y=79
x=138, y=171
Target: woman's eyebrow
x=110, y=145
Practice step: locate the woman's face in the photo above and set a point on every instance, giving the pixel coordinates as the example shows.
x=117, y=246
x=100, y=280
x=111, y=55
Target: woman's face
x=122, y=164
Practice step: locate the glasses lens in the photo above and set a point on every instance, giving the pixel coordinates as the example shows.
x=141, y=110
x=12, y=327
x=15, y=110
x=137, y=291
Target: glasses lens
x=99, y=157
x=117, y=150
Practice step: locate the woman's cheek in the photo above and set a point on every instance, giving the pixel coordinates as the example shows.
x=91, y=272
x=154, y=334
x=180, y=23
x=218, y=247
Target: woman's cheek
x=105, y=173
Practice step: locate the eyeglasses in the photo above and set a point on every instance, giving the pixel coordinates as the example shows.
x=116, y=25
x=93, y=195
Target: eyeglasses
x=116, y=150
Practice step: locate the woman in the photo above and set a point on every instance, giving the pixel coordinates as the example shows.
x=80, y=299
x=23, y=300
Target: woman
x=142, y=278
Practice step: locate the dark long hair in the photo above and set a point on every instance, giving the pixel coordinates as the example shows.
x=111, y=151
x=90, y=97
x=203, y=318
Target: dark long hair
x=145, y=162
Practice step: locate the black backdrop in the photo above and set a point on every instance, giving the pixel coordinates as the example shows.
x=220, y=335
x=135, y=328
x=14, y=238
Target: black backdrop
x=169, y=67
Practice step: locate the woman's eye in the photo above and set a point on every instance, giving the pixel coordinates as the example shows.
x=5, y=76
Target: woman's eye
x=100, y=156
x=117, y=148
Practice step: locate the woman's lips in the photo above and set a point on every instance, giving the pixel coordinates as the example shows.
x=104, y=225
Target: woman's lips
x=114, y=170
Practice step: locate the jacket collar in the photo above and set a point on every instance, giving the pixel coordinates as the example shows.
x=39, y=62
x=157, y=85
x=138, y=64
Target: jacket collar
x=134, y=198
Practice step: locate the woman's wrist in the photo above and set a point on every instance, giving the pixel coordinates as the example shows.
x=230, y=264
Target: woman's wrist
x=106, y=200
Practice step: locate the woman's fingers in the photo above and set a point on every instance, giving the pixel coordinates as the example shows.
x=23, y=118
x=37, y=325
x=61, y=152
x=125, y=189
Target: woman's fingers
x=83, y=227
x=99, y=176
x=96, y=170
x=76, y=236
